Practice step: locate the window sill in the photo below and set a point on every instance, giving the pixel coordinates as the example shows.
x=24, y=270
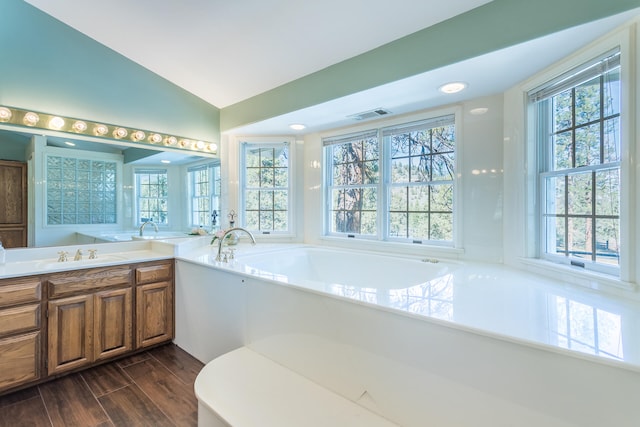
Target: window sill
x=393, y=247
x=576, y=275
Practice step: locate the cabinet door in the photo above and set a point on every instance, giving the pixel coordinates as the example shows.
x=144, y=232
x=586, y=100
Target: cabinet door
x=112, y=327
x=70, y=333
x=154, y=313
x=20, y=356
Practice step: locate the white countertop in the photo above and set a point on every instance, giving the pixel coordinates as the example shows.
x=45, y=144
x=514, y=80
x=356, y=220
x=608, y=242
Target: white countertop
x=32, y=261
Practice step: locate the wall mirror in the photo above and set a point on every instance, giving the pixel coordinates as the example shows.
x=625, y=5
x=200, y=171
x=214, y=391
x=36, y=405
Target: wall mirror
x=79, y=190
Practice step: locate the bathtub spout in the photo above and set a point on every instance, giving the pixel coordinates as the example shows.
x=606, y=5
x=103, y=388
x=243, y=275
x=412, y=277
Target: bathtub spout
x=224, y=236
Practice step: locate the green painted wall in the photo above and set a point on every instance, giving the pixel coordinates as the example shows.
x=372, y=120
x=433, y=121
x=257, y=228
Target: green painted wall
x=48, y=66
x=496, y=25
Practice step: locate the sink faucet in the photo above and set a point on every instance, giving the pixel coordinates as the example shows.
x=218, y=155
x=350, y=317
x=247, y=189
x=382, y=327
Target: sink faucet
x=155, y=227
x=229, y=231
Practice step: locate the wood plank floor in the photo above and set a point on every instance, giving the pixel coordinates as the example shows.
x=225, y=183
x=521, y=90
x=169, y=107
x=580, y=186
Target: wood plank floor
x=153, y=388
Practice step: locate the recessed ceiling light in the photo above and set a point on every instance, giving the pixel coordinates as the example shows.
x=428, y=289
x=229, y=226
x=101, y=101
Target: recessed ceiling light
x=453, y=87
x=165, y=161
x=297, y=126
x=70, y=144
x=478, y=111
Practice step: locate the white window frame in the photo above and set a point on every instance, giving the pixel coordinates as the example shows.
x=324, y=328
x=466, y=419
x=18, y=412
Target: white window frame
x=267, y=142
x=523, y=251
x=213, y=195
x=140, y=171
x=540, y=131
x=383, y=186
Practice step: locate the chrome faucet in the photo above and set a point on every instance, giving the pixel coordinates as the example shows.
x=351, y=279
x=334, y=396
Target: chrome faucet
x=155, y=227
x=224, y=236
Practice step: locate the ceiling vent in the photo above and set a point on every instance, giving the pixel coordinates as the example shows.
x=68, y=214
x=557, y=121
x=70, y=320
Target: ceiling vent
x=378, y=112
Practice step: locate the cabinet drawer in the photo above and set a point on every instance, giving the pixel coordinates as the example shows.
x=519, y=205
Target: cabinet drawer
x=19, y=291
x=81, y=281
x=20, y=360
x=154, y=273
x=19, y=319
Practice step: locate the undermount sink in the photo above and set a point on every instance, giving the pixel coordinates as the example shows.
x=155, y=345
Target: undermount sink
x=47, y=265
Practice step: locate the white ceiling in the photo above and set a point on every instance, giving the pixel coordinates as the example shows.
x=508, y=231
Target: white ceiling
x=227, y=51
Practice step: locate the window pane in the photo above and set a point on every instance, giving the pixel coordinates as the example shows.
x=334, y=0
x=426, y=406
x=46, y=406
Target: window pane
x=588, y=145
x=588, y=101
x=443, y=167
x=399, y=199
x=556, y=240
x=400, y=170
x=612, y=93
x=251, y=218
x=608, y=192
x=420, y=168
x=418, y=226
x=266, y=177
x=281, y=158
x=563, y=151
x=369, y=199
x=281, y=200
x=442, y=198
x=580, y=195
x=266, y=220
x=266, y=200
x=368, y=223
x=251, y=199
x=607, y=238
x=398, y=225
x=419, y=199
x=266, y=157
x=280, y=221
x=562, y=105
x=441, y=227
x=579, y=237
x=611, y=140
x=555, y=195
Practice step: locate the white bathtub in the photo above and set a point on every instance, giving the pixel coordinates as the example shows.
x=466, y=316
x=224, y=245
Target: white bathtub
x=415, y=341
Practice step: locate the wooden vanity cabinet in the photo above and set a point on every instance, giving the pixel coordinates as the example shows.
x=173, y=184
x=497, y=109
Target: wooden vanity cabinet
x=20, y=331
x=62, y=322
x=95, y=322
x=154, y=304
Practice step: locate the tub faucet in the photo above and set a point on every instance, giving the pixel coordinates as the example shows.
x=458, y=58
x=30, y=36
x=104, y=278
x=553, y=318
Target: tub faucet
x=155, y=227
x=224, y=236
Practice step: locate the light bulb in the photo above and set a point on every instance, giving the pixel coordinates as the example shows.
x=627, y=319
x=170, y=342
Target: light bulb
x=119, y=133
x=56, y=123
x=101, y=130
x=5, y=114
x=31, y=119
x=79, y=126
x=138, y=135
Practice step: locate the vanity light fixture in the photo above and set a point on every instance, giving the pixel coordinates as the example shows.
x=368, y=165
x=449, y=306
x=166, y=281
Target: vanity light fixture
x=20, y=117
x=56, y=123
x=31, y=119
x=453, y=87
x=5, y=114
x=79, y=126
x=297, y=126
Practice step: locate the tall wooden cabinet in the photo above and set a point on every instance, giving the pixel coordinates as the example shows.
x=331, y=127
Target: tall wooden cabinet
x=13, y=208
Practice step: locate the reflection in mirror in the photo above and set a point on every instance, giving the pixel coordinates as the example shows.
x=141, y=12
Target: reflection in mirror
x=79, y=191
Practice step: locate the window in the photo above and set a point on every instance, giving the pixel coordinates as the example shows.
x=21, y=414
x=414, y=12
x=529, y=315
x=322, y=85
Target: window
x=80, y=191
x=422, y=162
x=266, y=187
x=403, y=191
x=152, y=193
x=577, y=123
x=204, y=194
x=353, y=183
